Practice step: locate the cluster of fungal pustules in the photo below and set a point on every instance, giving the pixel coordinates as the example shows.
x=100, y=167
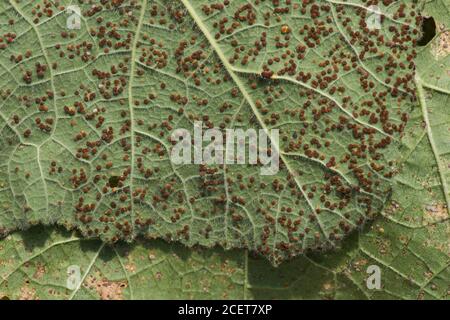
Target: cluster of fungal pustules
x=102, y=102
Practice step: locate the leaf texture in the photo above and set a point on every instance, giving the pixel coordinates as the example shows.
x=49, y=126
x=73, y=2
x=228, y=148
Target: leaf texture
x=87, y=117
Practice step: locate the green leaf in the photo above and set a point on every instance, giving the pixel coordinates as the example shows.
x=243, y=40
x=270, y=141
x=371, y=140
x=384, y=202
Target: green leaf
x=409, y=241
x=35, y=264
x=87, y=117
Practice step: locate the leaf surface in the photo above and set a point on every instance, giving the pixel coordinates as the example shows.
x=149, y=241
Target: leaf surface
x=87, y=117
x=409, y=241
x=35, y=265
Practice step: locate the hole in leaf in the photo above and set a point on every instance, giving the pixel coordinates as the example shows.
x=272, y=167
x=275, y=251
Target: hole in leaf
x=428, y=31
x=114, y=181
x=4, y=298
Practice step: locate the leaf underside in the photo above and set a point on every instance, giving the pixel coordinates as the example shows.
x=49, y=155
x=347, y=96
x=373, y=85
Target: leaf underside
x=409, y=241
x=87, y=115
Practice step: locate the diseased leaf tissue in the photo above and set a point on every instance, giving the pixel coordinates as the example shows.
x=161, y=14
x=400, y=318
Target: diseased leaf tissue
x=87, y=116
